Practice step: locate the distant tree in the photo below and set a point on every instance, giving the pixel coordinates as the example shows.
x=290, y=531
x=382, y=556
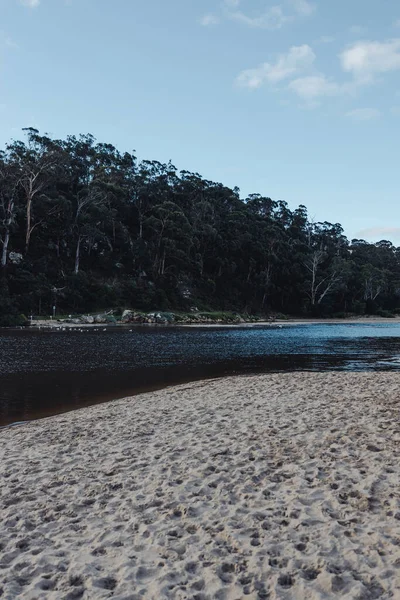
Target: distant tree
x=9, y=184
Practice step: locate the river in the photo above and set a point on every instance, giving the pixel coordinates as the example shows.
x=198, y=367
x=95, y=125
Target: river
x=50, y=371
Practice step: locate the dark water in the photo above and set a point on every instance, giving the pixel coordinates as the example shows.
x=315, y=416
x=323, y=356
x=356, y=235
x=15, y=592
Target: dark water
x=46, y=372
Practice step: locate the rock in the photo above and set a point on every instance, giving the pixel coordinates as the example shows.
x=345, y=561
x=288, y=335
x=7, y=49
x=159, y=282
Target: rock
x=100, y=319
x=373, y=448
x=138, y=318
x=15, y=258
x=87, y=319
x=127, y=316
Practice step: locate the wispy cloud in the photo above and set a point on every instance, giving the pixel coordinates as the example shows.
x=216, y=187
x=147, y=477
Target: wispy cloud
x=7, y=42
x=365, y=60
x=313, y=87
x=395, y=110
x=209, y=20
x=303, y=7
x=287, y=65
x=379, y=232
x=358, y=29
x=325, y=39
x=272, y=18
x=364, y=114
x=30, y=3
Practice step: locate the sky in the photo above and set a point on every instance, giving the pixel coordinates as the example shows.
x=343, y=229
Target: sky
x=298, y=100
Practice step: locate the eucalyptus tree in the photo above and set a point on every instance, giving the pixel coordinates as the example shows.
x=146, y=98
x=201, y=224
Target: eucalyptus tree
x=103, y=229
x=9, y=185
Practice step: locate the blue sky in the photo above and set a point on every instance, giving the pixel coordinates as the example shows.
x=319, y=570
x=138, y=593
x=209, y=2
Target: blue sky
x=294, y=99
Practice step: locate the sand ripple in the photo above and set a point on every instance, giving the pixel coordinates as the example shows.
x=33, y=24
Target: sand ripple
x=276, y=486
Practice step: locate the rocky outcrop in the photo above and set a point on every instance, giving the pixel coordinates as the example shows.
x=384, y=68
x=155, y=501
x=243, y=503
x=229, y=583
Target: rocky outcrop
x=87, y=319
x=164, y=318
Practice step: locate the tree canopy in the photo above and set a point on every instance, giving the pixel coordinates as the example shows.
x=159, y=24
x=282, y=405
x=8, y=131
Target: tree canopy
x=86, y=227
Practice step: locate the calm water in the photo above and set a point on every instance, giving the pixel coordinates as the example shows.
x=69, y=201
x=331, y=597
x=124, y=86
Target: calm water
x=46, y=372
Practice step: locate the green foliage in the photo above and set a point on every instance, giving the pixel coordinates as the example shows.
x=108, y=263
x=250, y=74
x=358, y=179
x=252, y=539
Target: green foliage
x=220, y=316
x=167, y=316
x=11, y=320
x=111, y=320
x=386, y=314
x=84, y=228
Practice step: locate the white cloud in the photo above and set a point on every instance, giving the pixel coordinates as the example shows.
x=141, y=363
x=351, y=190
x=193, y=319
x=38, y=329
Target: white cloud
x=232, y=3
x=396, y=23
x=273, y=18
x=314, y=86
x=209, y=20
x=30, y=3
x=367, y=59
x=364, y=61
x=364, y=114
x=296, y=60
x=303, y=7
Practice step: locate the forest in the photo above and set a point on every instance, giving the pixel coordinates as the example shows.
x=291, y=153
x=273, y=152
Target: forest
x=84, y=227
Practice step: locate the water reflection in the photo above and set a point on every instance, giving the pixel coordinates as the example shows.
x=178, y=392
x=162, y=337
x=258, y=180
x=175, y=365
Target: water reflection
x=46, y=372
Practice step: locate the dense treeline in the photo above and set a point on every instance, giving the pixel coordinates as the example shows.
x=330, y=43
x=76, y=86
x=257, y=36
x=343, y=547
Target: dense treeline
x=85, y=227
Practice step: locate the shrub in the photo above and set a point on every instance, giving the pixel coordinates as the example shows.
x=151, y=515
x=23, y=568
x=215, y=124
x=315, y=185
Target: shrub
x=111, y=319
x=9, y=320
x=386, y=314
x=168, y=316
x=280, y=316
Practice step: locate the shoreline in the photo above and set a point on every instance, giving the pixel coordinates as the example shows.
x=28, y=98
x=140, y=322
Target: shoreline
x=49, y=324
x=263, y=486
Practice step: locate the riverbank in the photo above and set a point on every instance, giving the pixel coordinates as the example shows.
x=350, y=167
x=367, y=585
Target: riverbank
x=65, y=324
x=273, y=486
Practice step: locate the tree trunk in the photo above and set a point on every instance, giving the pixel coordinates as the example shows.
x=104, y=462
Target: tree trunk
x=162, y=265
x=264, y=300
x=28, y=221
x=10, y=210
x=77, y=256
x=5, y=249
x=314, y=275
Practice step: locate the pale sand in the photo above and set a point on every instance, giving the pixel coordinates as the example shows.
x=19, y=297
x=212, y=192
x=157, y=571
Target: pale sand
x=274, y=486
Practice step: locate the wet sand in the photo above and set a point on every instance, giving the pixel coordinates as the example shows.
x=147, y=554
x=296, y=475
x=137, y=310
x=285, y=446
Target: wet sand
x=283, y=486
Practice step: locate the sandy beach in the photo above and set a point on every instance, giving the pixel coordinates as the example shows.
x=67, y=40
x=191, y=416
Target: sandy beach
x=275, y=486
